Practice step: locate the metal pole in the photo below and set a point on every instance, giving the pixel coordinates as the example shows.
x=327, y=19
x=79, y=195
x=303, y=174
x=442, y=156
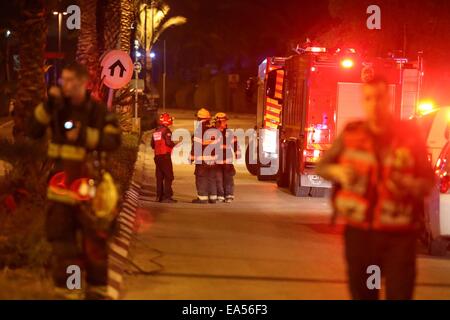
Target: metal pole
x=164, y=77
x=7, y=59
x=136, y=97
x=149, y=52
x=145, y=48
x=59, y=30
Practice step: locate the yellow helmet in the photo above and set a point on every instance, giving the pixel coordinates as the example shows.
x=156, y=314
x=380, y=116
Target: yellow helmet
x=221, y=116
x=106, y=198
x=203, y=114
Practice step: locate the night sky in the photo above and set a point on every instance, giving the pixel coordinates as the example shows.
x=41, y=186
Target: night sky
x=235, y=35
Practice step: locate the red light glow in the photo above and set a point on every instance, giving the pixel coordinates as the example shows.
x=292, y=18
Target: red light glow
x=347, y=63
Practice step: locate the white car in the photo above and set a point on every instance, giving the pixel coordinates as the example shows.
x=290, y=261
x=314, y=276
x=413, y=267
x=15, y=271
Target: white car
x=437, y=208
x=435, y=126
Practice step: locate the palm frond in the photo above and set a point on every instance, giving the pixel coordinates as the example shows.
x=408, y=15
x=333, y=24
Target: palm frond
x=172, y=22
x=158, y=14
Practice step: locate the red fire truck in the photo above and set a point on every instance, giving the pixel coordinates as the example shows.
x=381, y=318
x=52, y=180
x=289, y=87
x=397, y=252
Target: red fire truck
x=305, y=100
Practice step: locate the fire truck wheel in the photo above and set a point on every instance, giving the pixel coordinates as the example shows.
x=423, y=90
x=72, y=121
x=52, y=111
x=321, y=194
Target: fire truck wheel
x=294, y=179
x=283, y=175
x=253, y=168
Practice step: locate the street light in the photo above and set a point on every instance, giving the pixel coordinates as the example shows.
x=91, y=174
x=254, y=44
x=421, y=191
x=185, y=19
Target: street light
x=59, y=14
x=7, y=34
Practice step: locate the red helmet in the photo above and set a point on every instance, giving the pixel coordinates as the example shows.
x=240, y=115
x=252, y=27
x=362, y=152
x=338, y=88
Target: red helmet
x=165, y=119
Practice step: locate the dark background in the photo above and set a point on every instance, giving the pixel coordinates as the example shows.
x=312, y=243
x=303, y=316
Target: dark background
x=234, y=36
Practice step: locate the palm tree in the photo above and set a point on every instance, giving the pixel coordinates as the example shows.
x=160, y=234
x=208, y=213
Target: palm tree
x=153, y=21
x=102, y=32
x=87, y=47
x=32, y=32
x=118, y=21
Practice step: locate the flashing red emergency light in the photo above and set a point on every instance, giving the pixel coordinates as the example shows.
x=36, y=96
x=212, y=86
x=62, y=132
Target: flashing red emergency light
x=425, y=107
x=316, y=49
x=347, y=63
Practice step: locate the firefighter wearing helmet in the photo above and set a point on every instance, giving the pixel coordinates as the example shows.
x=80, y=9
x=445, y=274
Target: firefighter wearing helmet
x=81, y=196
x=162, y=144
x=225, y=170
x=203, y=155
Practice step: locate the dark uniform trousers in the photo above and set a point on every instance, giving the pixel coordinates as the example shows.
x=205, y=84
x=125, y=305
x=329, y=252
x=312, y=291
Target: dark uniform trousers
x=205, y=181
x=394, y=253
x=225, y=181
x=75, y=241
x=164, y=176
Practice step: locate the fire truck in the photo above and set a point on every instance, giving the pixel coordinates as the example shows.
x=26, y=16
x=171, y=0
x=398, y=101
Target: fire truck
x=305, y=101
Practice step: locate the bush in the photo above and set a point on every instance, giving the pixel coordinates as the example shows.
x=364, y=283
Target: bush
x=22, y=238
x=121, y=163
x=22, y=241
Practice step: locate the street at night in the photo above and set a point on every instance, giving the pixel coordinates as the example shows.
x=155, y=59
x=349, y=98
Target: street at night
x=266, y=245
x=229, y=159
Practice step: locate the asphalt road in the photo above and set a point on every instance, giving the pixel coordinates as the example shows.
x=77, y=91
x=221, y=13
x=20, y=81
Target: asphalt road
x=267, y=244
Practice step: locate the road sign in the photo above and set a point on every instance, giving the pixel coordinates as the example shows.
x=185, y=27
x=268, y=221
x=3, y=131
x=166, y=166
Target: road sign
x=117, y=69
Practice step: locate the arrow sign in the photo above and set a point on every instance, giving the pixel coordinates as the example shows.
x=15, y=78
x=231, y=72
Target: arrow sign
x=113, y=68
x=117, y=69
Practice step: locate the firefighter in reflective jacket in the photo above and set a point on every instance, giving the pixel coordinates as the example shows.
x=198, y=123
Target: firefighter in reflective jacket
x=382, y=175
x=204, y=145
x=81, y=197
x=225, y=170
x=162, y=144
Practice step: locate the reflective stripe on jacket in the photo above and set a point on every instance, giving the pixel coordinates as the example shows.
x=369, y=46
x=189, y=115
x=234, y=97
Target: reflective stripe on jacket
x=229, y=146
x=162, y=141
x=373, y=200
x=205, y=144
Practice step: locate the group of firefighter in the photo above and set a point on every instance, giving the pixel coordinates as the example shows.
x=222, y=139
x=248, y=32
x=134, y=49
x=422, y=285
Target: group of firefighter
x=213, y=149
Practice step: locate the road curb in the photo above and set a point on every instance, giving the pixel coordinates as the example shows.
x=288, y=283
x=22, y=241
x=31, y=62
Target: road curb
x=121, y=242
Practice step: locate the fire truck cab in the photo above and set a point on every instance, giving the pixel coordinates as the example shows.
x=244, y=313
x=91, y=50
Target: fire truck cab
x=307, y=99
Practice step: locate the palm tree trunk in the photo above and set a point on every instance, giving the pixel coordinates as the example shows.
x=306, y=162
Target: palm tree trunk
x=31, y=84
x=87, y=48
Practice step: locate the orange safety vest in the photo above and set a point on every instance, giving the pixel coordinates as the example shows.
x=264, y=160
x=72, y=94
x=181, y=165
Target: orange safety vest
x=386, y=211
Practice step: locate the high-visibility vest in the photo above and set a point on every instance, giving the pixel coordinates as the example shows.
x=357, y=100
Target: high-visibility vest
x=159, y=139
x=205, y=143
x=388, y=212
x=229, y=146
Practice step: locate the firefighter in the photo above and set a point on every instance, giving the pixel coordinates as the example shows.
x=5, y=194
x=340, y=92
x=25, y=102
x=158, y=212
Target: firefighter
x=162, y=144
x=81, y=197
x=225, y=170
x=203, y=155
x=381, y=172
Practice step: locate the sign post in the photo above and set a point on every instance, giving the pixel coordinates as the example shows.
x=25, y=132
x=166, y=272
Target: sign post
x=117, y=71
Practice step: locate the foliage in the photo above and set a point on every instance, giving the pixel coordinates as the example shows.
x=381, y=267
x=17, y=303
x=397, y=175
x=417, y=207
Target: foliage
x=22, y=241
x=153, y=21
x=121, y=164
x=31, y=83
x=22, y=238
